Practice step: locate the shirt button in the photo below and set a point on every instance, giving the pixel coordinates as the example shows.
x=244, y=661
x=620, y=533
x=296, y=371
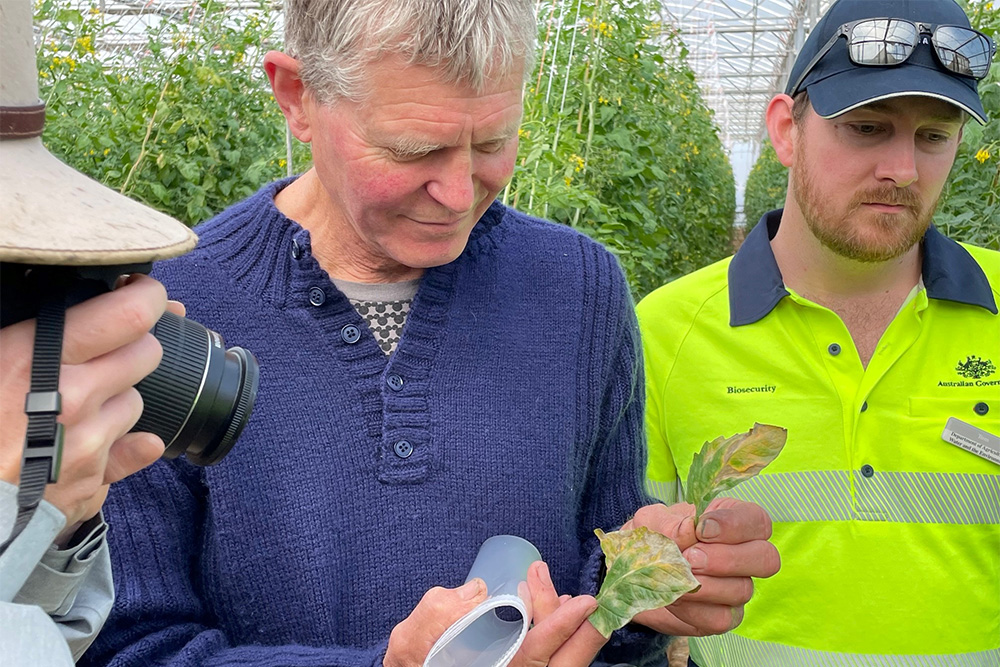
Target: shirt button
x=834, y=349
x=296, y=249
x=864, y=406
x=867, y=470
x=403, y=449
x=981, y=409
x=317, y=296
x=395, y=382
x=351, y=334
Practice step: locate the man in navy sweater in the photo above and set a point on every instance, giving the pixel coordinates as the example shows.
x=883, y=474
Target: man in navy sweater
x=436, y=369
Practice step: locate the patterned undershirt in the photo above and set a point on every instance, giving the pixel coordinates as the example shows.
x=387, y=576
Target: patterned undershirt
x=384, y=307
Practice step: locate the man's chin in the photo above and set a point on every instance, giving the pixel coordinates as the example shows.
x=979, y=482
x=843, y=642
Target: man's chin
x=427, y=255
x=881, y=245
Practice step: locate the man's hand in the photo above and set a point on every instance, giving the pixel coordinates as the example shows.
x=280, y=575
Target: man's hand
x=729, y=548
x=560, y=636
x=107, y=348
x=413, y=638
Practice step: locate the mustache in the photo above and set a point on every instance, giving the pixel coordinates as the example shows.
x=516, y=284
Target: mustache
x=890, y=195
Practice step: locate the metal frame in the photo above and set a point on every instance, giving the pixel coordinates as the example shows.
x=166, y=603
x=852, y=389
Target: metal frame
x=742, y=52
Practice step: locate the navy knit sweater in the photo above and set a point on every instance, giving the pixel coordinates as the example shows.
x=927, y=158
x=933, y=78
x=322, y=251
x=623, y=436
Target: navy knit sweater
x=520, y=402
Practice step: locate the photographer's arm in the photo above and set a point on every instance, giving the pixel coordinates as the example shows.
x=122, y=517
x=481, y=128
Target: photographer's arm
x=106, y=349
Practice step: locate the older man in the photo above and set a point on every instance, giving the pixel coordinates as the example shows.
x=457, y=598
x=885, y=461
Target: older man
x=852, y=321
x=380, y=456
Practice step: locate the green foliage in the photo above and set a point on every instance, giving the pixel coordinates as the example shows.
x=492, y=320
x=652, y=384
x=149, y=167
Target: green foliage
x=766, y=186
x=184, y=121
x=617, y=142
x=969, y=209
x=970, y=206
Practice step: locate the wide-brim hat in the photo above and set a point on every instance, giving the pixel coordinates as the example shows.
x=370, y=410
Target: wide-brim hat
x=51, y=214
x=836, y=85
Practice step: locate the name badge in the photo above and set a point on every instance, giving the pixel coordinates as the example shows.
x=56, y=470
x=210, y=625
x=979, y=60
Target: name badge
x=972, y=439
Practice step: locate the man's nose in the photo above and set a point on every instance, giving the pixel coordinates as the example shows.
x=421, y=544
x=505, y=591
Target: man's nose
x=898, y=162
x=453, y=185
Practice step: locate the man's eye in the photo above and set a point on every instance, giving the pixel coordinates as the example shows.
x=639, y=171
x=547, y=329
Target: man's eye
x=491, y=147
x=936, y=137
x=865, y=129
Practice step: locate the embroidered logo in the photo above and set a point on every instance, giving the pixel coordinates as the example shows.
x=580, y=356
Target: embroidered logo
x=975, y=368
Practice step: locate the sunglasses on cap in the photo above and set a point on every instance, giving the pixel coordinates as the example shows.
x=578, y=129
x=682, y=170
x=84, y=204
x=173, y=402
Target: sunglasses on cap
x=885, y=42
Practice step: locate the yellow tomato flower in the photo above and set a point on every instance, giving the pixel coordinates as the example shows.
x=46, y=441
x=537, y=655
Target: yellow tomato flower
x=983, y=155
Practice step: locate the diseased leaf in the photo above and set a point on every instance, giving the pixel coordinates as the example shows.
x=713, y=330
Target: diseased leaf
x=725, y=462
x=645, y=571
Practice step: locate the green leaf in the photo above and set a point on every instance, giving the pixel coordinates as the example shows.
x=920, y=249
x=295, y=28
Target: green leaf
x=725, y=462
x=645, y=571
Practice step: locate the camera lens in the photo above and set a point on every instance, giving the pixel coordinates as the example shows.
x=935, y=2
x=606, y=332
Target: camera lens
x=200, y=396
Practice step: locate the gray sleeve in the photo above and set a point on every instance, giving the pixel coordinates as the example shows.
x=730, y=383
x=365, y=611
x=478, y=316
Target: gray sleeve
x=28, y=637
x=18, y=561
x=73, y=586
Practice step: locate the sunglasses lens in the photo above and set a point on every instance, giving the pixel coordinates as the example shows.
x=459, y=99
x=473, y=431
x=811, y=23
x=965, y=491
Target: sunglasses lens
x=882, y=42
x=963, y=51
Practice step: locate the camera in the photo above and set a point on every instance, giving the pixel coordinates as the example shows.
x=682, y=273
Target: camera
x=200, y=396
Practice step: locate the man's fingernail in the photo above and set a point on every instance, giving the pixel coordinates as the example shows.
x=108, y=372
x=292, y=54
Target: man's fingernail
x=470, y=590
x=737, y=617
x=697, y=558
x=543, y=574
x=710, y=528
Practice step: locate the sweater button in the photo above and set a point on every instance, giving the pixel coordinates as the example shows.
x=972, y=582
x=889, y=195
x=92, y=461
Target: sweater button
x=296, y=249
x=317, y=296
x=395, y=382
x=351, y=334
x=403, y=449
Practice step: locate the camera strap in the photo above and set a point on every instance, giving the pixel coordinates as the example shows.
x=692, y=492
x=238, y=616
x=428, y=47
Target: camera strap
x=43, y=441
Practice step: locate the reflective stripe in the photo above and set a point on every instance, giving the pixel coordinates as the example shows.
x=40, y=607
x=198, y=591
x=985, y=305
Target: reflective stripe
x=928, y=497
x=732, y=650
x=663, y=491
x=899, y=497
x=821, y=495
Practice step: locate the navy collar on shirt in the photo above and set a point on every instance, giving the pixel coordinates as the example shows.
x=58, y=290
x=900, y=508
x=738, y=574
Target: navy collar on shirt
x=755, y=285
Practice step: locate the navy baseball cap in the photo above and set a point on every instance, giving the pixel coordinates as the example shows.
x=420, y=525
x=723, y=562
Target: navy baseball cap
x=836, y=85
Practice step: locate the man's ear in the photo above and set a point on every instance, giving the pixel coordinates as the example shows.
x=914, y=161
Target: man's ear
x=781, y=128
x=289, y=92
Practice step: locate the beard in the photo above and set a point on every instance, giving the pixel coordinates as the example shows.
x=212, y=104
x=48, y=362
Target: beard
x=859, y=234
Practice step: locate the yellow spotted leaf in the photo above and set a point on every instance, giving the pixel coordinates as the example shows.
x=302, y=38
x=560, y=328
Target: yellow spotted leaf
x=645, y=571
x=725, y=462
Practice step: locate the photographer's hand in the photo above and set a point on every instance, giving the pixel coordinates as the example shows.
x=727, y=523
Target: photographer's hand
x=107, y=348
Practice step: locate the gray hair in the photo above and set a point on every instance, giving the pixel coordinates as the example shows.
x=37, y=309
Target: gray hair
x=469, y=41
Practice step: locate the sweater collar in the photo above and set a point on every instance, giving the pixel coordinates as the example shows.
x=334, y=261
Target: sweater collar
x=756, y=286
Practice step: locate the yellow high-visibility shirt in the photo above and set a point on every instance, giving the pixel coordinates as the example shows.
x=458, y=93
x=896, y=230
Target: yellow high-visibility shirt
x=889, y=535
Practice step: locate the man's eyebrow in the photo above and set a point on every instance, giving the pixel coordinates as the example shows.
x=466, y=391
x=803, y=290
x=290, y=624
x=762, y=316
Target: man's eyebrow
x=416, y=146
x=411, y=146
x=505, y=134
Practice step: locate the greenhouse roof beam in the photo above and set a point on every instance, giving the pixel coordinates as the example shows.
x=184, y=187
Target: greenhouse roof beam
x=741, y=51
